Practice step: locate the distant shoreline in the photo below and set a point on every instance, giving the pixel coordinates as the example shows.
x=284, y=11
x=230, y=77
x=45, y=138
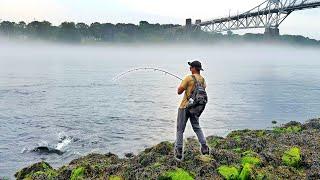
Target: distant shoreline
x=81, y=33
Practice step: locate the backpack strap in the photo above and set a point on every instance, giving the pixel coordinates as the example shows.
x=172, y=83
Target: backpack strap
x=197, y=83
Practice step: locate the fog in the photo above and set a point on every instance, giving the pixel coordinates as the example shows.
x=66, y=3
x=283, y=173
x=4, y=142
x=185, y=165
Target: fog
x=49, y=89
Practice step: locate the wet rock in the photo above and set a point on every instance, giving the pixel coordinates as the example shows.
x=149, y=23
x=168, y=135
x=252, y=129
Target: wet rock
x=129, y=155
x=164, y=148
x=292, y=123
x=47, y=150
x=254, y=154
x=312, y=124
x=225, y=157
x=96, y=159
x=314, y=172
x=43, y=170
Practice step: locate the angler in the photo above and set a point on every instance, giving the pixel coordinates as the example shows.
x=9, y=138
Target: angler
x=191, y=107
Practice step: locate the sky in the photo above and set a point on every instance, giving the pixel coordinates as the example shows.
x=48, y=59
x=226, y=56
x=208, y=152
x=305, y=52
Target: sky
x=154, y=11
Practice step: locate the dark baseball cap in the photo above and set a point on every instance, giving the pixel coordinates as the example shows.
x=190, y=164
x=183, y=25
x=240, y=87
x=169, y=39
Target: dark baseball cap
x=196, y=64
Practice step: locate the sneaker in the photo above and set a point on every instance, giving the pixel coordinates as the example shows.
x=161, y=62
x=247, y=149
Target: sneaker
x=205, y=149
x=178, y=153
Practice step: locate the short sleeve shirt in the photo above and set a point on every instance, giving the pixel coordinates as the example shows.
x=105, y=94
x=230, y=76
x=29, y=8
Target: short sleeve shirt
x=188, y=84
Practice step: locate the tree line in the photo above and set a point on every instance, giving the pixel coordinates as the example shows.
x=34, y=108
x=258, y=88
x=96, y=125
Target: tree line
x=121, y=32
x=77, y=32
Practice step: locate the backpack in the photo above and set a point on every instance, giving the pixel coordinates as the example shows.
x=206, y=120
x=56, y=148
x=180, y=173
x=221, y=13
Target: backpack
x=198, y=99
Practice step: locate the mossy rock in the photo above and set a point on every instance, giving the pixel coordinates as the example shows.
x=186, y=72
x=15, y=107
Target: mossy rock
x=250, y=157
x=228, y=172
x=289, y=129
x=213, y=141
x=250, y=160
x=39, y=169
x=178, y=174
x=204, y=158
x=292, y=157
x=164, y=148
x=77, y=173
x=92, y=159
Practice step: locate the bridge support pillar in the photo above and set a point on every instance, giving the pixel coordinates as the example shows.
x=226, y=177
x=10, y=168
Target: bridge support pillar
x=271, y=32
x=188, y=25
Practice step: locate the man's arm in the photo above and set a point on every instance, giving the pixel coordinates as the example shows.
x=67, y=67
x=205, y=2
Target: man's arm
x=183, y=86
x=180, y=89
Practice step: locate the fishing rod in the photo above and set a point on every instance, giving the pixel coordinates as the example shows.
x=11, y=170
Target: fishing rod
x=145, y=68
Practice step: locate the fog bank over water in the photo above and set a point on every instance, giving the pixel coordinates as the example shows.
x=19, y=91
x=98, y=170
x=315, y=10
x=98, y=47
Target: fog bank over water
x=50, y=92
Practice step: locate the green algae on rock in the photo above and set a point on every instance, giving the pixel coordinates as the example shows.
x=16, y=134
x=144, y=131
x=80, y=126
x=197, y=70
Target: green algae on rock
x=243, y=154
x=42, y=169
x=292, y=157
x=178, y=174
x=246, y=172
x=78, y=173
x=250, y=157
x=229, y=172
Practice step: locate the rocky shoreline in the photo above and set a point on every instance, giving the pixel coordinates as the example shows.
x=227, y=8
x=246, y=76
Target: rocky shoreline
x=290, y=151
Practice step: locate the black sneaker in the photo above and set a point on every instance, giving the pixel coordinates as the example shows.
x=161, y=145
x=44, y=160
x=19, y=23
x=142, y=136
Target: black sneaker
x=205, y=149
x=178, y=153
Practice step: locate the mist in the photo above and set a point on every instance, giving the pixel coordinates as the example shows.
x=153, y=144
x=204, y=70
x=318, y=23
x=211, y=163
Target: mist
x=49, y=89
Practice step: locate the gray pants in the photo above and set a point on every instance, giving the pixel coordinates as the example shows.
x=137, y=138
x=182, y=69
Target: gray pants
x=183, y=116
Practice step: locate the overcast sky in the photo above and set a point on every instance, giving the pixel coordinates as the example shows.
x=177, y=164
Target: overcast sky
x=305, y=22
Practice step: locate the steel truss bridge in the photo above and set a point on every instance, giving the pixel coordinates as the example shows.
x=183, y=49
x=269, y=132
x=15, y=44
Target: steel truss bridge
x=269, y=15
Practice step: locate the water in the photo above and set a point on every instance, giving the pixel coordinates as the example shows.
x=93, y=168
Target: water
x=63, y=96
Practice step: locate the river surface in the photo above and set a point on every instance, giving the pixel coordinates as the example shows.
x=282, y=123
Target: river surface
x=64, y=96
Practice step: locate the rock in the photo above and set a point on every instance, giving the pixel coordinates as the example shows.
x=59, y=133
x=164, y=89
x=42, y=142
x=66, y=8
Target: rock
x=291, y=123
x=314, y=172
x=287, y=152
x=312, y=124
x=47, y=150
x=225, y=156
x=30, y=171
x=129, y=155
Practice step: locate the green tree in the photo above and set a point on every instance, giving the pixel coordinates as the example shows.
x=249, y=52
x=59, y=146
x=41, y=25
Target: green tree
x=42, y=30
x=96, y=31
x=68, y=32
x=20, y=28
x=83, y=30
x=7, y=28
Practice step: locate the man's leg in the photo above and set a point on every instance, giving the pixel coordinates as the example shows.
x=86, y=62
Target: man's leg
x=181, y=125
x=197, y=129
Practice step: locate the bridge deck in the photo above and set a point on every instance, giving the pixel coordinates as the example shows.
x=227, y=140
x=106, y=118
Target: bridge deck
x=264, y=12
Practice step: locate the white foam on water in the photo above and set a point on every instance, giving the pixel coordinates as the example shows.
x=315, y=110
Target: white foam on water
x=63, y=143
x=65, y=140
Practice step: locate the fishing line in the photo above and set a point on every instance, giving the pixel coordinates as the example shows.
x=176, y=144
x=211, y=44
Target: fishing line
x=145, y=69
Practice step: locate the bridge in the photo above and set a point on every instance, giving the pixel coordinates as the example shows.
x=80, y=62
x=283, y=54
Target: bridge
x=268, y=15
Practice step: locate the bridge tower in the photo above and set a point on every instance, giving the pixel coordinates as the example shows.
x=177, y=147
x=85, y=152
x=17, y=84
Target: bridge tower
x=272, y=32
x=189, y=25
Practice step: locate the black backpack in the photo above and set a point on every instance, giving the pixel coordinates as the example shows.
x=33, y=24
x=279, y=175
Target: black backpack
x=198, y=99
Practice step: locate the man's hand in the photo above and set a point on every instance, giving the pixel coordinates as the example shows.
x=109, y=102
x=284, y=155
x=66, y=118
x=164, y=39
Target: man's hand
x=180, y=90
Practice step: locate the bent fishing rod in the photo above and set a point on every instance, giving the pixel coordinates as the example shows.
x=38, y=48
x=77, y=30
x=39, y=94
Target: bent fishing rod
x=145, y=68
